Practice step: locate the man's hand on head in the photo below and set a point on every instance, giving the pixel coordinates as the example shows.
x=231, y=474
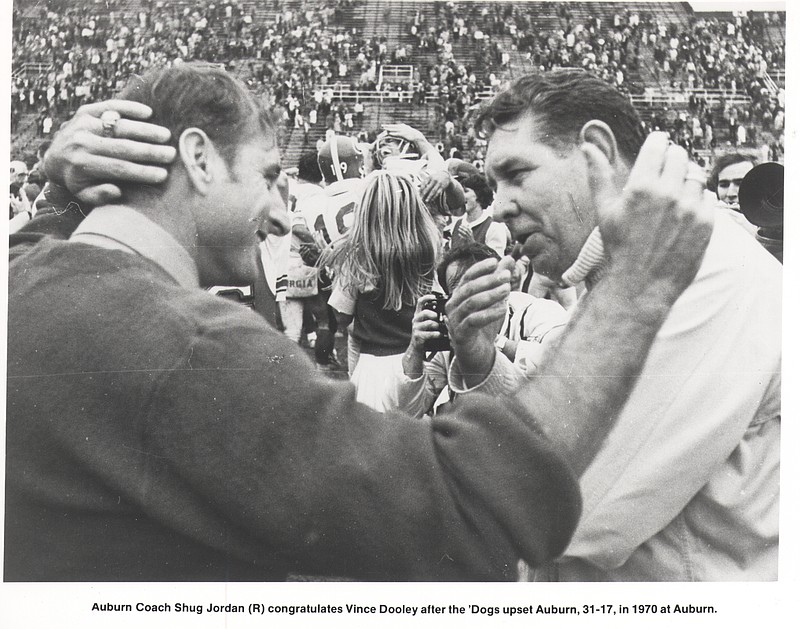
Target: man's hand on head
x=475, y=312
x=90, y=164
x=406, y=132
x=656, y=231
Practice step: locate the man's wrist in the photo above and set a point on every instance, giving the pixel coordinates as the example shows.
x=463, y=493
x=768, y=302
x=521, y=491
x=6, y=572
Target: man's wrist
x=416, y=344
x=476, y=366
x=413, y=361
x=502, y=378
x=651, y=298
x=422, y=144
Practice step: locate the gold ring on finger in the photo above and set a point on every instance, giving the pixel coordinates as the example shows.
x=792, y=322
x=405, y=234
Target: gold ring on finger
x=109, y=120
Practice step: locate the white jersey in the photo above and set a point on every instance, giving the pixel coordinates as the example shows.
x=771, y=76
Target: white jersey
x=275, y=251
x=331, y=216
x=303, y=199
x=300, y=193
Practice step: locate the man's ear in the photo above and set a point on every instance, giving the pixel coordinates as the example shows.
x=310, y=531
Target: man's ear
x=199, y=157
x=599, y=134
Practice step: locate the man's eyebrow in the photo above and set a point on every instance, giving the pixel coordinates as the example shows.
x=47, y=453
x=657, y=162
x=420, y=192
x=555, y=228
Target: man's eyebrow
x=504, y=164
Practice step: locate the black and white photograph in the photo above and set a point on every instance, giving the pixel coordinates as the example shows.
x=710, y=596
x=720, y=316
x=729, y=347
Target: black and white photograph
x=398, y=313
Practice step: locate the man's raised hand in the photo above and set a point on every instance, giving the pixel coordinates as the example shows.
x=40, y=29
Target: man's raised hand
x=659, y=227
x=90, y=164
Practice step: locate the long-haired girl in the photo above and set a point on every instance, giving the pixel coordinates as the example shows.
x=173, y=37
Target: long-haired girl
x=382, y=265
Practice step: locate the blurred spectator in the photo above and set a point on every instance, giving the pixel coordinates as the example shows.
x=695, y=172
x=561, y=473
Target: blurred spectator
x=423, y=386
x=477, y=225
x=19, y=174
x=726, y=177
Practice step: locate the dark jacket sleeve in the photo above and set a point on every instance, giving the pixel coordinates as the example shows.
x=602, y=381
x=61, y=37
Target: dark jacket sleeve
x=327, y=486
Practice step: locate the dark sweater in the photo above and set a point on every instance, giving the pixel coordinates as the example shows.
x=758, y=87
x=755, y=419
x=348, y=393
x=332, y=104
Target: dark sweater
x=160, y=433
x=381, y=331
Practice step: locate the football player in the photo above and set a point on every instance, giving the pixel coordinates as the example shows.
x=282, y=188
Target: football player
x=402, y=149
x=343, y=163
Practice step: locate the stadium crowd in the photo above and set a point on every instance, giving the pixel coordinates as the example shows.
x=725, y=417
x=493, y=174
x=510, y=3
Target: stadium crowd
x=574, y=253
x=295, y=58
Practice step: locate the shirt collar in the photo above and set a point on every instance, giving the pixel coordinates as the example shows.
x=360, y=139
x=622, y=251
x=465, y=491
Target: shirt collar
x=485, y=214
x=590, y=263
x=120, y=227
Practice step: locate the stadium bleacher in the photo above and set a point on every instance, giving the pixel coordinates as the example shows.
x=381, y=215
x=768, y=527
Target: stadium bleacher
x=427, y=63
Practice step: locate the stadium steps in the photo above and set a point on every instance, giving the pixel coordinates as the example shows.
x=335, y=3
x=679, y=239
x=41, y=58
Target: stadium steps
x=32, y=11
x=126, y=8
x=392, y=25
x=670, y=13
x=26, y=138
x=649, y=75
x=355, y=14
x=378, y=18
x=265, y=13
x=405, y=11
x=294, y=149
x=677, y=101
x=776, y=35
x=545, y=17
x=421, y=117
x=373, y=16
x=378, y=113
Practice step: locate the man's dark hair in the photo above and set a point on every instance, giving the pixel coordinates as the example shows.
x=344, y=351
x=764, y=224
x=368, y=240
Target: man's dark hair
x=729, y=159
x=308, y=167
x=479, y=185
x=204, y=96
x=464, y=255
x=563, y=101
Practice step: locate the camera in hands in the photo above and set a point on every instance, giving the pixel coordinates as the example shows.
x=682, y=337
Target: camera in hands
x=441, y=344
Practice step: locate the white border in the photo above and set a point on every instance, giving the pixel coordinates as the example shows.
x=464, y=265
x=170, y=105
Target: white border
x=769, y=604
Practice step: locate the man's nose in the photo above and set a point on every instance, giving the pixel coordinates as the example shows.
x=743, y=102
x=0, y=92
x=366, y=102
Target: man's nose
x=503, y=207
x=278, y=223
x=732, y=193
